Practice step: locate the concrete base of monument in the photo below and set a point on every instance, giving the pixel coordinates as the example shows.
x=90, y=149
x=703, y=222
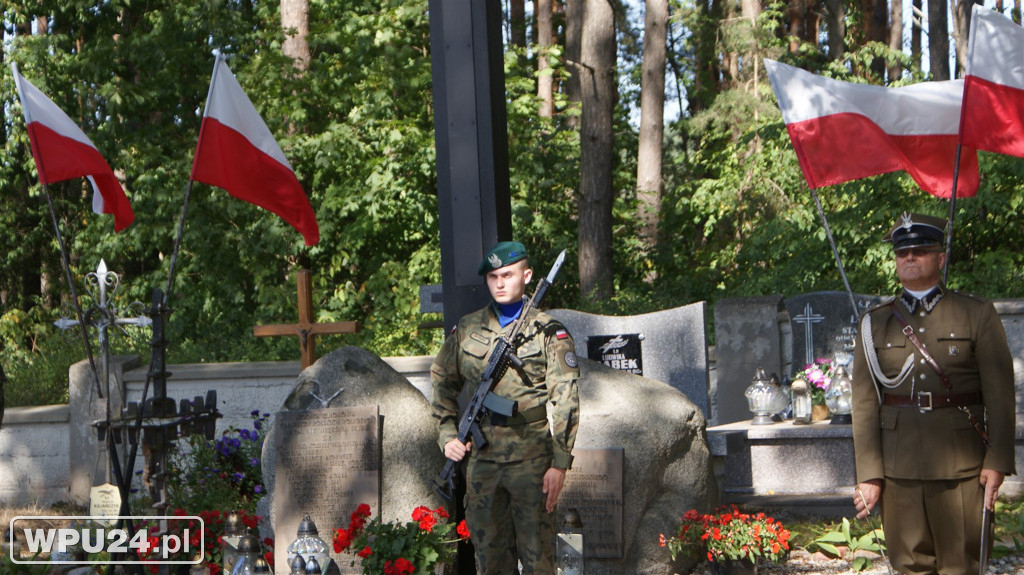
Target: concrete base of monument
x=805, y=468
x=808, y=469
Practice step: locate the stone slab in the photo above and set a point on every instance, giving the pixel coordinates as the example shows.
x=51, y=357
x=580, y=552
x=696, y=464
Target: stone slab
x=750, y=333
x=825, y=324
x=594, y=488
x=783, y=458
x=328, y=462
x=674, y=344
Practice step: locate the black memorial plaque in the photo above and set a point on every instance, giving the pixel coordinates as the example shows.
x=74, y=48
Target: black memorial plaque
x=622, y=352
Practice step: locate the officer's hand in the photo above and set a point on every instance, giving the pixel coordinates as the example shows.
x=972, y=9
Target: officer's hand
x=554, y=478
x=456, y=450
x=991, y=479
x=866, y=497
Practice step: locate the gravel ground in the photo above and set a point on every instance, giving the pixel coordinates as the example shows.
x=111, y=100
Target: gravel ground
x=803, y=563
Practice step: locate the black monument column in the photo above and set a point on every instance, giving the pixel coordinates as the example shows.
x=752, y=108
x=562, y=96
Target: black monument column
x=471, y=138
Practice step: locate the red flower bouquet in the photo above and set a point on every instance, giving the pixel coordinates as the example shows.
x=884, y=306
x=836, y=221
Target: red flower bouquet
x=728, y=535
x=392, y=548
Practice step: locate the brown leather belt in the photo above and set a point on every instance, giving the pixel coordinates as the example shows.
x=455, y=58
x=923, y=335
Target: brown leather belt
x=927, y=401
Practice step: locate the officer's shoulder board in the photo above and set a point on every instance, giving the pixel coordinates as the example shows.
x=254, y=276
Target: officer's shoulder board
x=882, y=304
x=975, y=297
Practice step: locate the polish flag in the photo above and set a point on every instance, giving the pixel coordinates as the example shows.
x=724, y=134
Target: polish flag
x=62, y=152
x=843, y=131
x=993, y=115
x=237, y=152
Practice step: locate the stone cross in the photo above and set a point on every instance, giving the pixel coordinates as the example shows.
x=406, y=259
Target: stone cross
x=307, y=328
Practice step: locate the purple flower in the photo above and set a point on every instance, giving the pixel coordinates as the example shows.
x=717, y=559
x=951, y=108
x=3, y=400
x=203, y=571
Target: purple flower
x=254, y=462
x=237, y=476
x=255, y=413
x=258, y=489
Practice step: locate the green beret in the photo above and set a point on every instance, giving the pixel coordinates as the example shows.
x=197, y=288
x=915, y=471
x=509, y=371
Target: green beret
x=916, y=230
x=501, y=255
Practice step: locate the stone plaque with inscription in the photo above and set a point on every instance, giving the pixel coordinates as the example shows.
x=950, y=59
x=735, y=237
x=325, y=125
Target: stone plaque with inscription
x=328, y=462
x=825, y=325
x=594, y=487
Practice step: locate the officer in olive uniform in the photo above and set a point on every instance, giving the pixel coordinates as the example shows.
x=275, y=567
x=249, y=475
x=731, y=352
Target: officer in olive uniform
x=514, y=483
x=917, y=450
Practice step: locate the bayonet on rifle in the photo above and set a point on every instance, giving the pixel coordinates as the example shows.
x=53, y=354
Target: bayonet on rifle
x=486, y=402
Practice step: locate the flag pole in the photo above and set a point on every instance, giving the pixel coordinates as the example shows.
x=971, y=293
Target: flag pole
x=188, y=189
x=835, y=251
x=133, y=451
x=949, y=220
x=74, y=294
x=38, y=157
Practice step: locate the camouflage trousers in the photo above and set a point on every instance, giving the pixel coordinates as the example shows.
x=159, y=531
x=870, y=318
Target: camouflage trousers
x=507, y=519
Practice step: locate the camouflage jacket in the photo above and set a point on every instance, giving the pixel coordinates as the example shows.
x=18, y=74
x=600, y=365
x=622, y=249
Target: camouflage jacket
x=548, y=378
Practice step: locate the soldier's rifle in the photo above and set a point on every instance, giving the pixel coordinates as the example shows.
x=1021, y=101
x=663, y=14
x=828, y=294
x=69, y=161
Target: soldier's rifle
x=485, y=402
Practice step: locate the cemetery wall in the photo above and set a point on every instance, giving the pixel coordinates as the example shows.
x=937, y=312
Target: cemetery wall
x=34, y=455
x=49, y=454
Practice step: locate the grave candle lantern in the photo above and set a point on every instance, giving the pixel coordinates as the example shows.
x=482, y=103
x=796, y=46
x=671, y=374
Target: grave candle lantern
x=248, y=553
x=262, y=568
x=233, y=531
x=803, y=404
x=309, y=545
x=763, y=399
x=298, y=565
x=569, y=548
x=839, y=397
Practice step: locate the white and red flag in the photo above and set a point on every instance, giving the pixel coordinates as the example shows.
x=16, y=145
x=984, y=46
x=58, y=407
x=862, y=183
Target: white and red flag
x=993, y=114
x=237, y=152
x=843, y=131
x=63, y=152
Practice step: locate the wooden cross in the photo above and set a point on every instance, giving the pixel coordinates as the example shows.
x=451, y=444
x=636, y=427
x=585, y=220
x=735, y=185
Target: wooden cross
x=307, y=328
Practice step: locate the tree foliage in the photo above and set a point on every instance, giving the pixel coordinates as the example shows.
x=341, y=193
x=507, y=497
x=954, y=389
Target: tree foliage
x=736, y=218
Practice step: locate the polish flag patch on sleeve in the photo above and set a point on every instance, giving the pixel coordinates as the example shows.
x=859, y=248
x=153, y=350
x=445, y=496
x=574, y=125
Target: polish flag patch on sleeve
x=561, y=334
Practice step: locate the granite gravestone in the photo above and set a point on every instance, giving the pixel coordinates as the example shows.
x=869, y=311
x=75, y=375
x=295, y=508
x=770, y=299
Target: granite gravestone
x=825, y=325
x=674, y=347
x=328, y=462
x=594, y=488
x=750, y=333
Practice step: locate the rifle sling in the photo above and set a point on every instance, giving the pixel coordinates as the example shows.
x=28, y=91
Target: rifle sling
x=909, y=332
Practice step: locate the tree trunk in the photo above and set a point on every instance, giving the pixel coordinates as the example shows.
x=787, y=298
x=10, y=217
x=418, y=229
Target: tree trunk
x=573, y=42
x=707, y=70
x=517, y=23
x=915, y=33
x=878, y=31
x=797, y=13
x=545, y=82
x=295, y=22
x=895, y=35
x=652, y=118
x=938, y=39
x=962, y=28
x=597, y=87
x=836, y=28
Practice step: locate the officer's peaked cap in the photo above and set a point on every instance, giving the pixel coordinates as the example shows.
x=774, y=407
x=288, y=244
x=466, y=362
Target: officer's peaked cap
x=916, y=230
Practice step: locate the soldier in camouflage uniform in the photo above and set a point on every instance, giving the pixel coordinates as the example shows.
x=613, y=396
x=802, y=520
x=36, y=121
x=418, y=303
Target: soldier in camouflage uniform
x=514, y=483
x=917, y=453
